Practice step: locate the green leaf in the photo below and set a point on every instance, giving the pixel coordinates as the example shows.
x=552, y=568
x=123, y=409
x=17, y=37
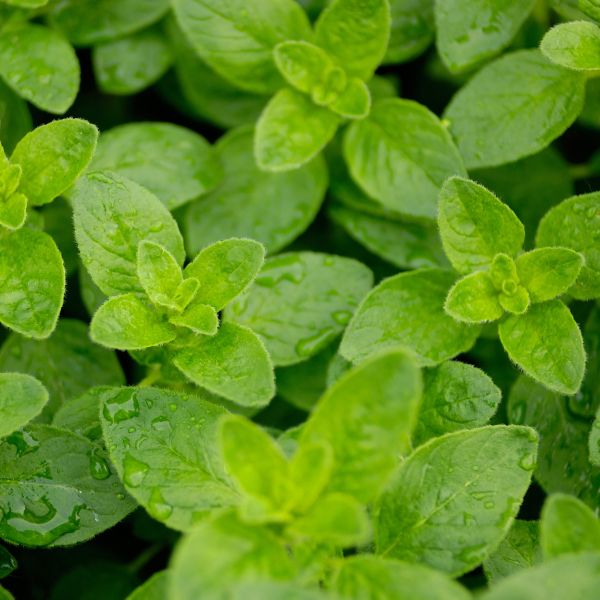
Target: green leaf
x=67, y=363
x=564, y=577
x=13, y=211
x=355, y=33
x=81, y=414
x=386, y=157
x=530, y=186
x=547, y=344
x=176, y=164
x=224, y=270
x=15, y=120
x=53, y=156
x=454, y=499
x=8, y=562
x=165, y=449
x=568, y=526
x=233, y=364
x=300, y=302
x=32, y=283
x=373, y=577
x=513, y=107
x=131, y=64
x=594, y=443
x=310, y=471
x=222, y=552
x=89, y=22
x=259, y=468
x=354, y=102
x=129, y=322
x=455, y=396
x=474, y=299
x=291, y=131
x=5, y=594
x=563, y=441
x=403, y=244
x=574, y=45
x=548, y=272
x=22, y=398
x=265, y=218
x=516, y=301
x=408, y=310
x=367, y=418
x=412, y=29
x=475, y=225
x=587, y=400
x=337, y=519
x=56, y=489
x=159, y=273
x=199, y=318
x=154, y=588
x=112, y=215
x=590, y=8
x=575, y=224
x=237, y=39
x=520, y=549
x=469, y=32
x=40, y=65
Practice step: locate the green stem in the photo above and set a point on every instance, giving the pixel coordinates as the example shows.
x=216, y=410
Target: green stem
x=153, y=375
x=144, y=558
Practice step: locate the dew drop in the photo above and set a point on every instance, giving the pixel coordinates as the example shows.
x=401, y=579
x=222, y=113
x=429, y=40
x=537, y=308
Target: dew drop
x=134, y=471
x=98, y=466
x=123, y=406
x=158, y=508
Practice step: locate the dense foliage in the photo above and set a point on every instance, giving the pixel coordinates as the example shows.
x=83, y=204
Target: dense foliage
x=298, y=299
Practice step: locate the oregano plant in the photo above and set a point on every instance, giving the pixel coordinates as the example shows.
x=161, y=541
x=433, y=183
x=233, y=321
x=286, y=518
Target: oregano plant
x=299, y=299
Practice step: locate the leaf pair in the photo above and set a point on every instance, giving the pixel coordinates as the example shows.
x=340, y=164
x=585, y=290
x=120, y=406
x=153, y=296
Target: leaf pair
x=483, y=237
x=350, y=40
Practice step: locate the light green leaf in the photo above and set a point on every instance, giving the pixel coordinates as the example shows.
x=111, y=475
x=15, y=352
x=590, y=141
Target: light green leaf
x=355, y=33
x=67, y=363
x=264, y=217
x=154, y=588
x=291, y=131
x=454, y=499
x=548, y=272
x=574, y=45
x=131, y=64
x=455, y=396
x=165, y=449
x=408, y=310
x=129, y=322
x=367, y=418
x=199, y=318
x=474, y=299
x=403, y=244
x=563, y=441
x=568, y=526
x=53, y=156
x=40, y=65
x=221, y=553
x=26, y=3
x=310, y=471
x=469, y=32
x=516, y=301
x=530, y=186
x=354, y=102
x=159, y=273
x=590, y=8
x=386, y=156
x=233, y=364
x=237, y=39
x=22, y=398
x=15, y=120
x=225, y=269
x=573, y=577
x=176, y=164
x=300, y=302
x=56, y=489
x=259, y=468
x=575, y=224
x=336, y=519
x=5, y=594
x=376, y=578
x=520, y=549
x=547, y=344
x=13, y=211
x=412, y=29
x=32, y=283
x=89, y=22
x=514, y=107
x=112, y=215
x=475, y=225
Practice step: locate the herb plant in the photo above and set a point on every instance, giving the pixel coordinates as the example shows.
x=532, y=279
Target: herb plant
x=299, y=299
